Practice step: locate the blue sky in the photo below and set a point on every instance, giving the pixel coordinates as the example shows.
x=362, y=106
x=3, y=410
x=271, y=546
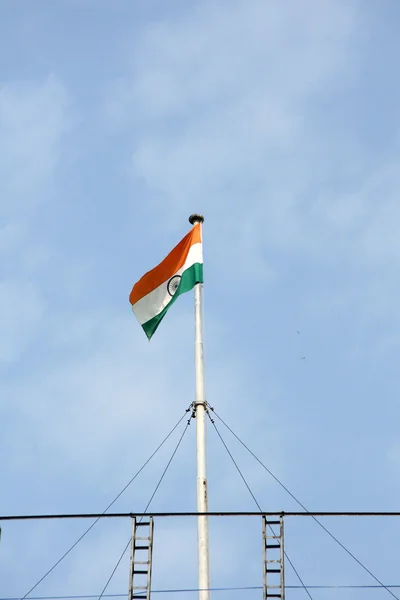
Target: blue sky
x=279, y=121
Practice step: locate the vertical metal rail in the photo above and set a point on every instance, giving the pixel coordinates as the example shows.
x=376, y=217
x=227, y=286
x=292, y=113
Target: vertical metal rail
x=281, y=527
x=150, y=557
x=264, y=563
x=131, y=559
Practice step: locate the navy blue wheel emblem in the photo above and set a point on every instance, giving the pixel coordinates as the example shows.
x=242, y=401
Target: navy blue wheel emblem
x=173, y=284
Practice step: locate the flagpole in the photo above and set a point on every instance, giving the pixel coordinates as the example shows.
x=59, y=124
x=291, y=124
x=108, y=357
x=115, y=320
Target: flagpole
x=201, y=450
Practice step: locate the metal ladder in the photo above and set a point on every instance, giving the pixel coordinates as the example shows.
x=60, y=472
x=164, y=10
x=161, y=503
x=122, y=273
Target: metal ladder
x=141, y=559
x=273, y=560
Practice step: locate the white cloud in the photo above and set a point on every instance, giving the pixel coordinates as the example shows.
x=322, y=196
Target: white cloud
x=95, y=392
x=21, y=311
x=32, y=120
x=220, y=86
x=217, y=103
x=227, y=111
x=392, y=460
x=218, y=54
x=10, y=237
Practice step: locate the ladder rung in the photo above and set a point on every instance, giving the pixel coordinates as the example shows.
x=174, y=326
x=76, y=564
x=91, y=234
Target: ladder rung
x=273, y=537
x=140, y=572
x=139, y=596
x=142, y=547
x=272, y=545
x=273, y=570
x=273, y=522
x=272, y=561
x=141, y=562
x=143, y=524
x=142, y=538
x=139, y=587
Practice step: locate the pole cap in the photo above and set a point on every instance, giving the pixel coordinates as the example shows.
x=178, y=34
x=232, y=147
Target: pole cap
x=193, y=219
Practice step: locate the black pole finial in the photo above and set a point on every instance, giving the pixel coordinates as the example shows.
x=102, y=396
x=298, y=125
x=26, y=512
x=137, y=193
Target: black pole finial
x=195, y=218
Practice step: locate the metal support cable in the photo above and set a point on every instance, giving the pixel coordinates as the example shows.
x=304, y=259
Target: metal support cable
x=235, y=463
x=108, y=507
x=147, y=506
x=303, y=585
x=218, y=589
x=168, y=464
x=304, y=508
x=115, y=568
x=256, y=501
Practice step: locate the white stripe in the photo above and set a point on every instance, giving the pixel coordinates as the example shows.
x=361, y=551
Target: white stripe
x=149, y=306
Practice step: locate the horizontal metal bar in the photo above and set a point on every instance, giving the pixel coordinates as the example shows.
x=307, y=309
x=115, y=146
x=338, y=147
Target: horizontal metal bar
x=196, y=514
x=273, y=523
x=273, y=561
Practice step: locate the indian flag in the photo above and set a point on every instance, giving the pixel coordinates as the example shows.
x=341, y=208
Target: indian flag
x=158, y=289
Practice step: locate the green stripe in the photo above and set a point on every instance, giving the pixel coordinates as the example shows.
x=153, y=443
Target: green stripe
x=190, y=277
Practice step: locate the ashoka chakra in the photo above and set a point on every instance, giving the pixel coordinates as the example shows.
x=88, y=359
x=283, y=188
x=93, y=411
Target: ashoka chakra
x=173, y=284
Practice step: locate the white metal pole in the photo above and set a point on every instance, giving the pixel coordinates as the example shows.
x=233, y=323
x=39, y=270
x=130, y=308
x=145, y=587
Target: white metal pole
x=201, y=450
